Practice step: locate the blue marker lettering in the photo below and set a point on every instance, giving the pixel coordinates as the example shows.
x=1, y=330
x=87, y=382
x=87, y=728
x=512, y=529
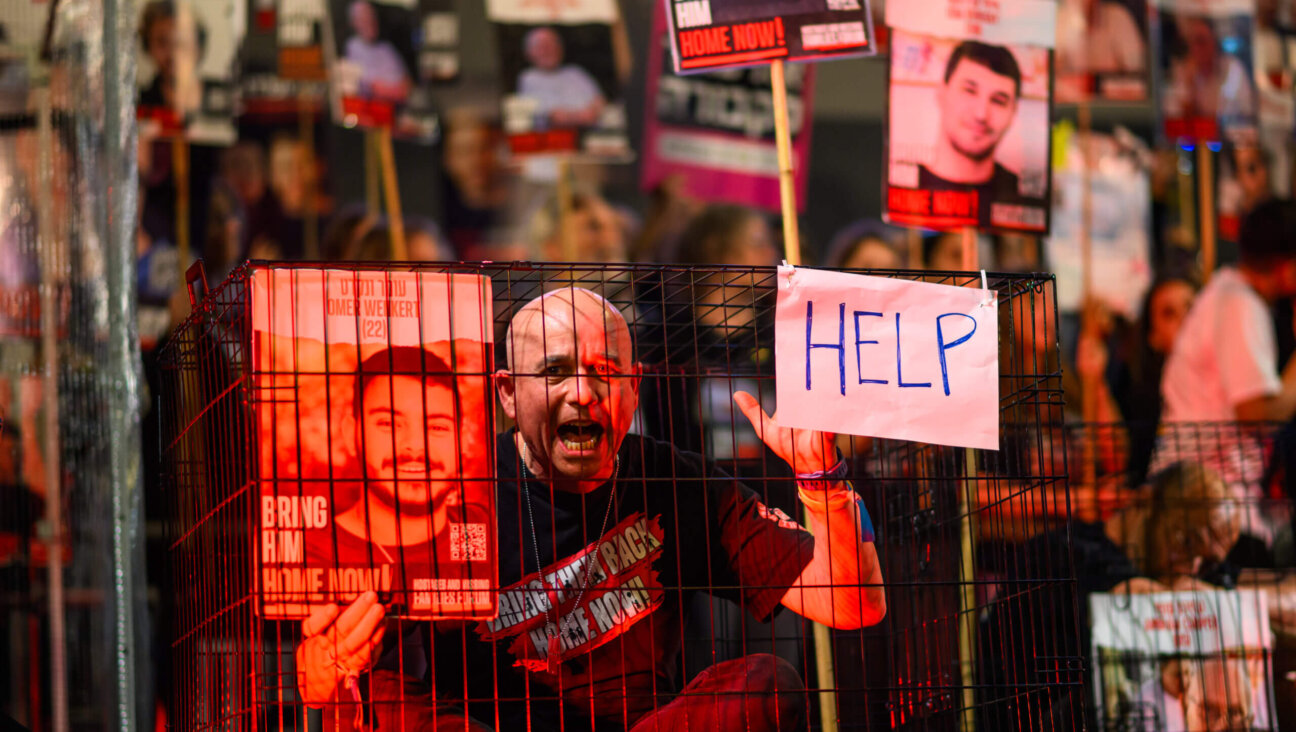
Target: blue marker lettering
x=840, y=346
x=859, y=369
x=942, y=346
x=899, y=374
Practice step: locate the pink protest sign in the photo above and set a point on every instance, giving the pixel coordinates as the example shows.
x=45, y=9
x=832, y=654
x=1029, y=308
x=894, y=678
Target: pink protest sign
x=716, y=131
x=889, y=358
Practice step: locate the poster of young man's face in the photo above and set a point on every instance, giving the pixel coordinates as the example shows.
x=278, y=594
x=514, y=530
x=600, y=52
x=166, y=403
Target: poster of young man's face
x=1207, y=90
x=968, y=134
x=188, y=54
x=376, y=76
x=1102, y=51
x=561, y=89
x=375, y=432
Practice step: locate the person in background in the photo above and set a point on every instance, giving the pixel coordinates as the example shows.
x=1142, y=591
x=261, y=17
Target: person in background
x=423, y=243
x=1224, y=365
x=157, y=36
x=1135, y=374
x=267, y=233
x=865, y=244
x=223, y=238
x=1250, y=185
x=383, y=74
x=943, y=252
x=723, y=334
x=346, y=228
x=475, y=188
x=175, y=42
x=1181, y=525
x=294, y=174
x=670, y=210
x=1204, y=81
x=1099, y=37
x=596, y=231
x=565, y=94
x=1016, y=253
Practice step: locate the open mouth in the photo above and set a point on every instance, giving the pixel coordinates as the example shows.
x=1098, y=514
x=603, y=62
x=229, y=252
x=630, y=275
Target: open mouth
x=580, y=435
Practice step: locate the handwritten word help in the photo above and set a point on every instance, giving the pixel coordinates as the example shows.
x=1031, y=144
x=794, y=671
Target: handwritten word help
x=887, y=358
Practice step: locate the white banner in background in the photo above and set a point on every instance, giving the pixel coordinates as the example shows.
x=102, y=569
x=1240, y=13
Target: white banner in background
x=1002, y=22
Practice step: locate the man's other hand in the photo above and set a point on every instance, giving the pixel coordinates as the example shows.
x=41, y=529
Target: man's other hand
x=336, y=646
x=807, y=451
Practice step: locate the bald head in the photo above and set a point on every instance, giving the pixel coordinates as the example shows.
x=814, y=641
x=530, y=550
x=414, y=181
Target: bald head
x=563, y=309
x=571, y=385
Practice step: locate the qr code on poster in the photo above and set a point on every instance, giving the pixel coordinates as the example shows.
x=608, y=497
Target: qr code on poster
x=843, y=5
x=468, y=542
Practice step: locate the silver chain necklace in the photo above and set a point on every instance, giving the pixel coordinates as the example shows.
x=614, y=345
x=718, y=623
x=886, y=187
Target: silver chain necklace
x=554, y=648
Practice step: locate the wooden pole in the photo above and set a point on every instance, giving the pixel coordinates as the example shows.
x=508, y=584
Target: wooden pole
x=51, y=264
x=566, y=206
x=1089, y=387
x=180, y=171
x=824, y=672
x=1206, y=206
x=968, y=253
x=787, y=178
x=1187, y=199
x=373, y=193
x=967, y=589
x=913, y=241
x=395, y=220
x=310, y=206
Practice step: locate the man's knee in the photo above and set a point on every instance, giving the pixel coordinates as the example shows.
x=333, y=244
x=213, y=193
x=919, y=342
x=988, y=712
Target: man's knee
x=775, y=677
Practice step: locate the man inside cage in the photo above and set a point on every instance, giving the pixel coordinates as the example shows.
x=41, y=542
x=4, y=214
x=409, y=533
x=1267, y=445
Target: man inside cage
x=414, y=513
x=625, y=530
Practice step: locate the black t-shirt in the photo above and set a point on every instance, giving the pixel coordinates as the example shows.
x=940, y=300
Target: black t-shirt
x=676, y=527
x=1003, y=187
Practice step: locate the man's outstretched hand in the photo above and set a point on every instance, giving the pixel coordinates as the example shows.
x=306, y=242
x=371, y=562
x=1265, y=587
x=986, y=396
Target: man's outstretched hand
x=807, y=451
x=335, y=646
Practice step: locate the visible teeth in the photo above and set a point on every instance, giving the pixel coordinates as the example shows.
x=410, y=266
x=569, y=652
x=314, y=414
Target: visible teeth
x=580, y=445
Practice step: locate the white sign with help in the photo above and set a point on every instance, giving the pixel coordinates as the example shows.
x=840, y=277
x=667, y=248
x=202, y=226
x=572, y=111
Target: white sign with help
x=885, y=357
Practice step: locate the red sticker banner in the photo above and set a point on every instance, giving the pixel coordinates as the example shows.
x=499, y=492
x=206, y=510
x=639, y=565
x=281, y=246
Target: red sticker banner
x=717, y=34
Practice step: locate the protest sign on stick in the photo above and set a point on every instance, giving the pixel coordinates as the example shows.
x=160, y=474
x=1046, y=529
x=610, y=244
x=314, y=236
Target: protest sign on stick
x=562, y=91
x=715, y=34
x=716, y=131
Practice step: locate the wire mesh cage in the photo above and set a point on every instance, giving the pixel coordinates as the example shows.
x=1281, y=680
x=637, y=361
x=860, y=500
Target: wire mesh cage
x=1182, y=542
x=286, y=398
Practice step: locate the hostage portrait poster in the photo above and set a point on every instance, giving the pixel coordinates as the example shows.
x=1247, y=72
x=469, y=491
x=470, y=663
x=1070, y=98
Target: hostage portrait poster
x=562, y=87
x=968, y=134
x=1183, y=661
x=1208, y=90
x=371, y=403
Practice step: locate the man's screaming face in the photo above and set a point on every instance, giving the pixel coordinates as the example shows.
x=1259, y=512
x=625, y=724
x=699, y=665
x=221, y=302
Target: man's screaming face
x=573, y=387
